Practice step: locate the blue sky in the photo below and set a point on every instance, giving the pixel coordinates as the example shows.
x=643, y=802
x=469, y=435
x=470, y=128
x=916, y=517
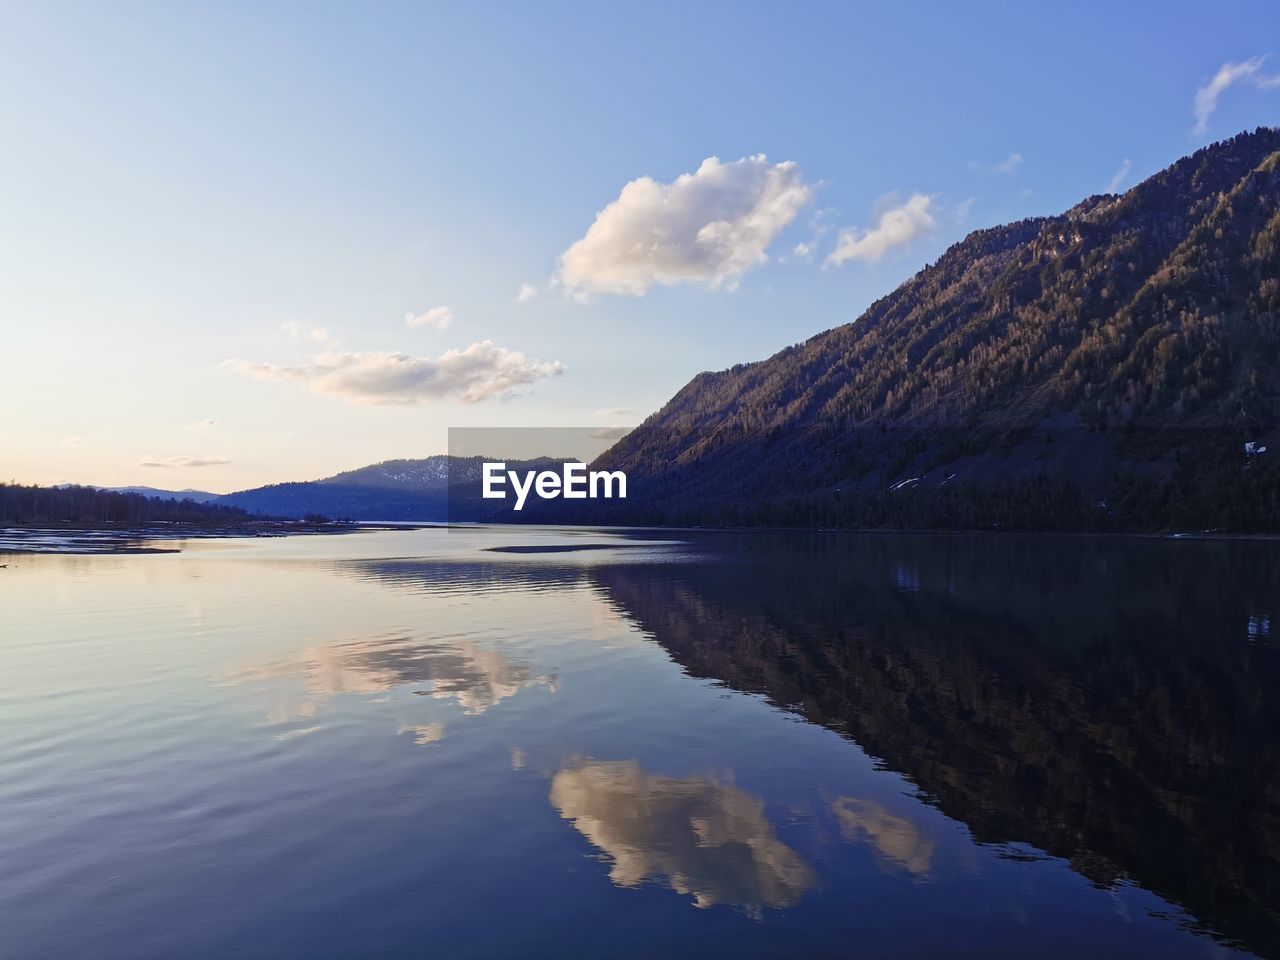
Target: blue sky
x=215, y=219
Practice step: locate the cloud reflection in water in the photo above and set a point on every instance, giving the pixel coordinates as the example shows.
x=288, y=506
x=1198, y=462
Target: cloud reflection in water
x=475, y=677
x=700, y=836
x=898, y=843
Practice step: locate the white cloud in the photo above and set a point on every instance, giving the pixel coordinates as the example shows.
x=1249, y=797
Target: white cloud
x=610, y=433
x=1229, y=74
x=480, y=372
x=819, y=226
x=707, y=227
x=185, y=462
x=1119, y=177
x=1009, y=165
x=296, y=331
x=437, y=318
x=896, y=226
x=527, y=292
x=615, y=412
x=206, y=424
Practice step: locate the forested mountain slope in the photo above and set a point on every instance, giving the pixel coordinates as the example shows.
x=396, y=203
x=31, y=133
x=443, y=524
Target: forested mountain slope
x=399, y=490
x=1104, y=367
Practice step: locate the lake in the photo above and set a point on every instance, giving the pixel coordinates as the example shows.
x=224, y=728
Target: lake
x=504, y=742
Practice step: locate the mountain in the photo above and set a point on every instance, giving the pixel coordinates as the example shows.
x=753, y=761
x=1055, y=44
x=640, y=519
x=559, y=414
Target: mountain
x=1099, y=369
x=199, y=496
x=404, y=490
x=391, y=490
x=414, y=475
x=340, y=501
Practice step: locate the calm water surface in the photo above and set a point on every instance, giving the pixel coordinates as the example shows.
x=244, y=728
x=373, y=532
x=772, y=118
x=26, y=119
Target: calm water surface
x=410, y=744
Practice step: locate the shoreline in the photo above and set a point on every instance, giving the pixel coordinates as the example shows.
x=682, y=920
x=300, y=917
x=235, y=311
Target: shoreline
x=85, y=539
x=142, y=538
x=1203, y=535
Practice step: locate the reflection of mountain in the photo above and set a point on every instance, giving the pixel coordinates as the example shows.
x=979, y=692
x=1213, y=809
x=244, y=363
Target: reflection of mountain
x=475, y=677
x=700, y=836
x=1115, y=703
x=1101, y=701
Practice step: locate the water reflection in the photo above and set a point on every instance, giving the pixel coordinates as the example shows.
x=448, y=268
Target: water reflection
x=1092, y=699
x=936, y=732
x=701, y=836
x=424, y=734
x=475, y=677
x=898, y=843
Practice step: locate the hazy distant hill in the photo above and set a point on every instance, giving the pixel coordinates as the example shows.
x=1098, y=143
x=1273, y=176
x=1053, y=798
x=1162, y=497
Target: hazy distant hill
x=431, y=473
x=391, y=490
x=199, y=496
x=339, y=501
x=1103, y=367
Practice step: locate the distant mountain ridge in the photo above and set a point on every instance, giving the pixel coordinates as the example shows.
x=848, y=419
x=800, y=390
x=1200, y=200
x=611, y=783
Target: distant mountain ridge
x=430, y=473
x=1114, y=367
x=1103, y=367
x=199, y=496
x=393, y=490
x=396, y=490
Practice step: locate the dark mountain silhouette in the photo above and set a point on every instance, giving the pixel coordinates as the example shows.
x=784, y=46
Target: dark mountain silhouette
x=1103, y=368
